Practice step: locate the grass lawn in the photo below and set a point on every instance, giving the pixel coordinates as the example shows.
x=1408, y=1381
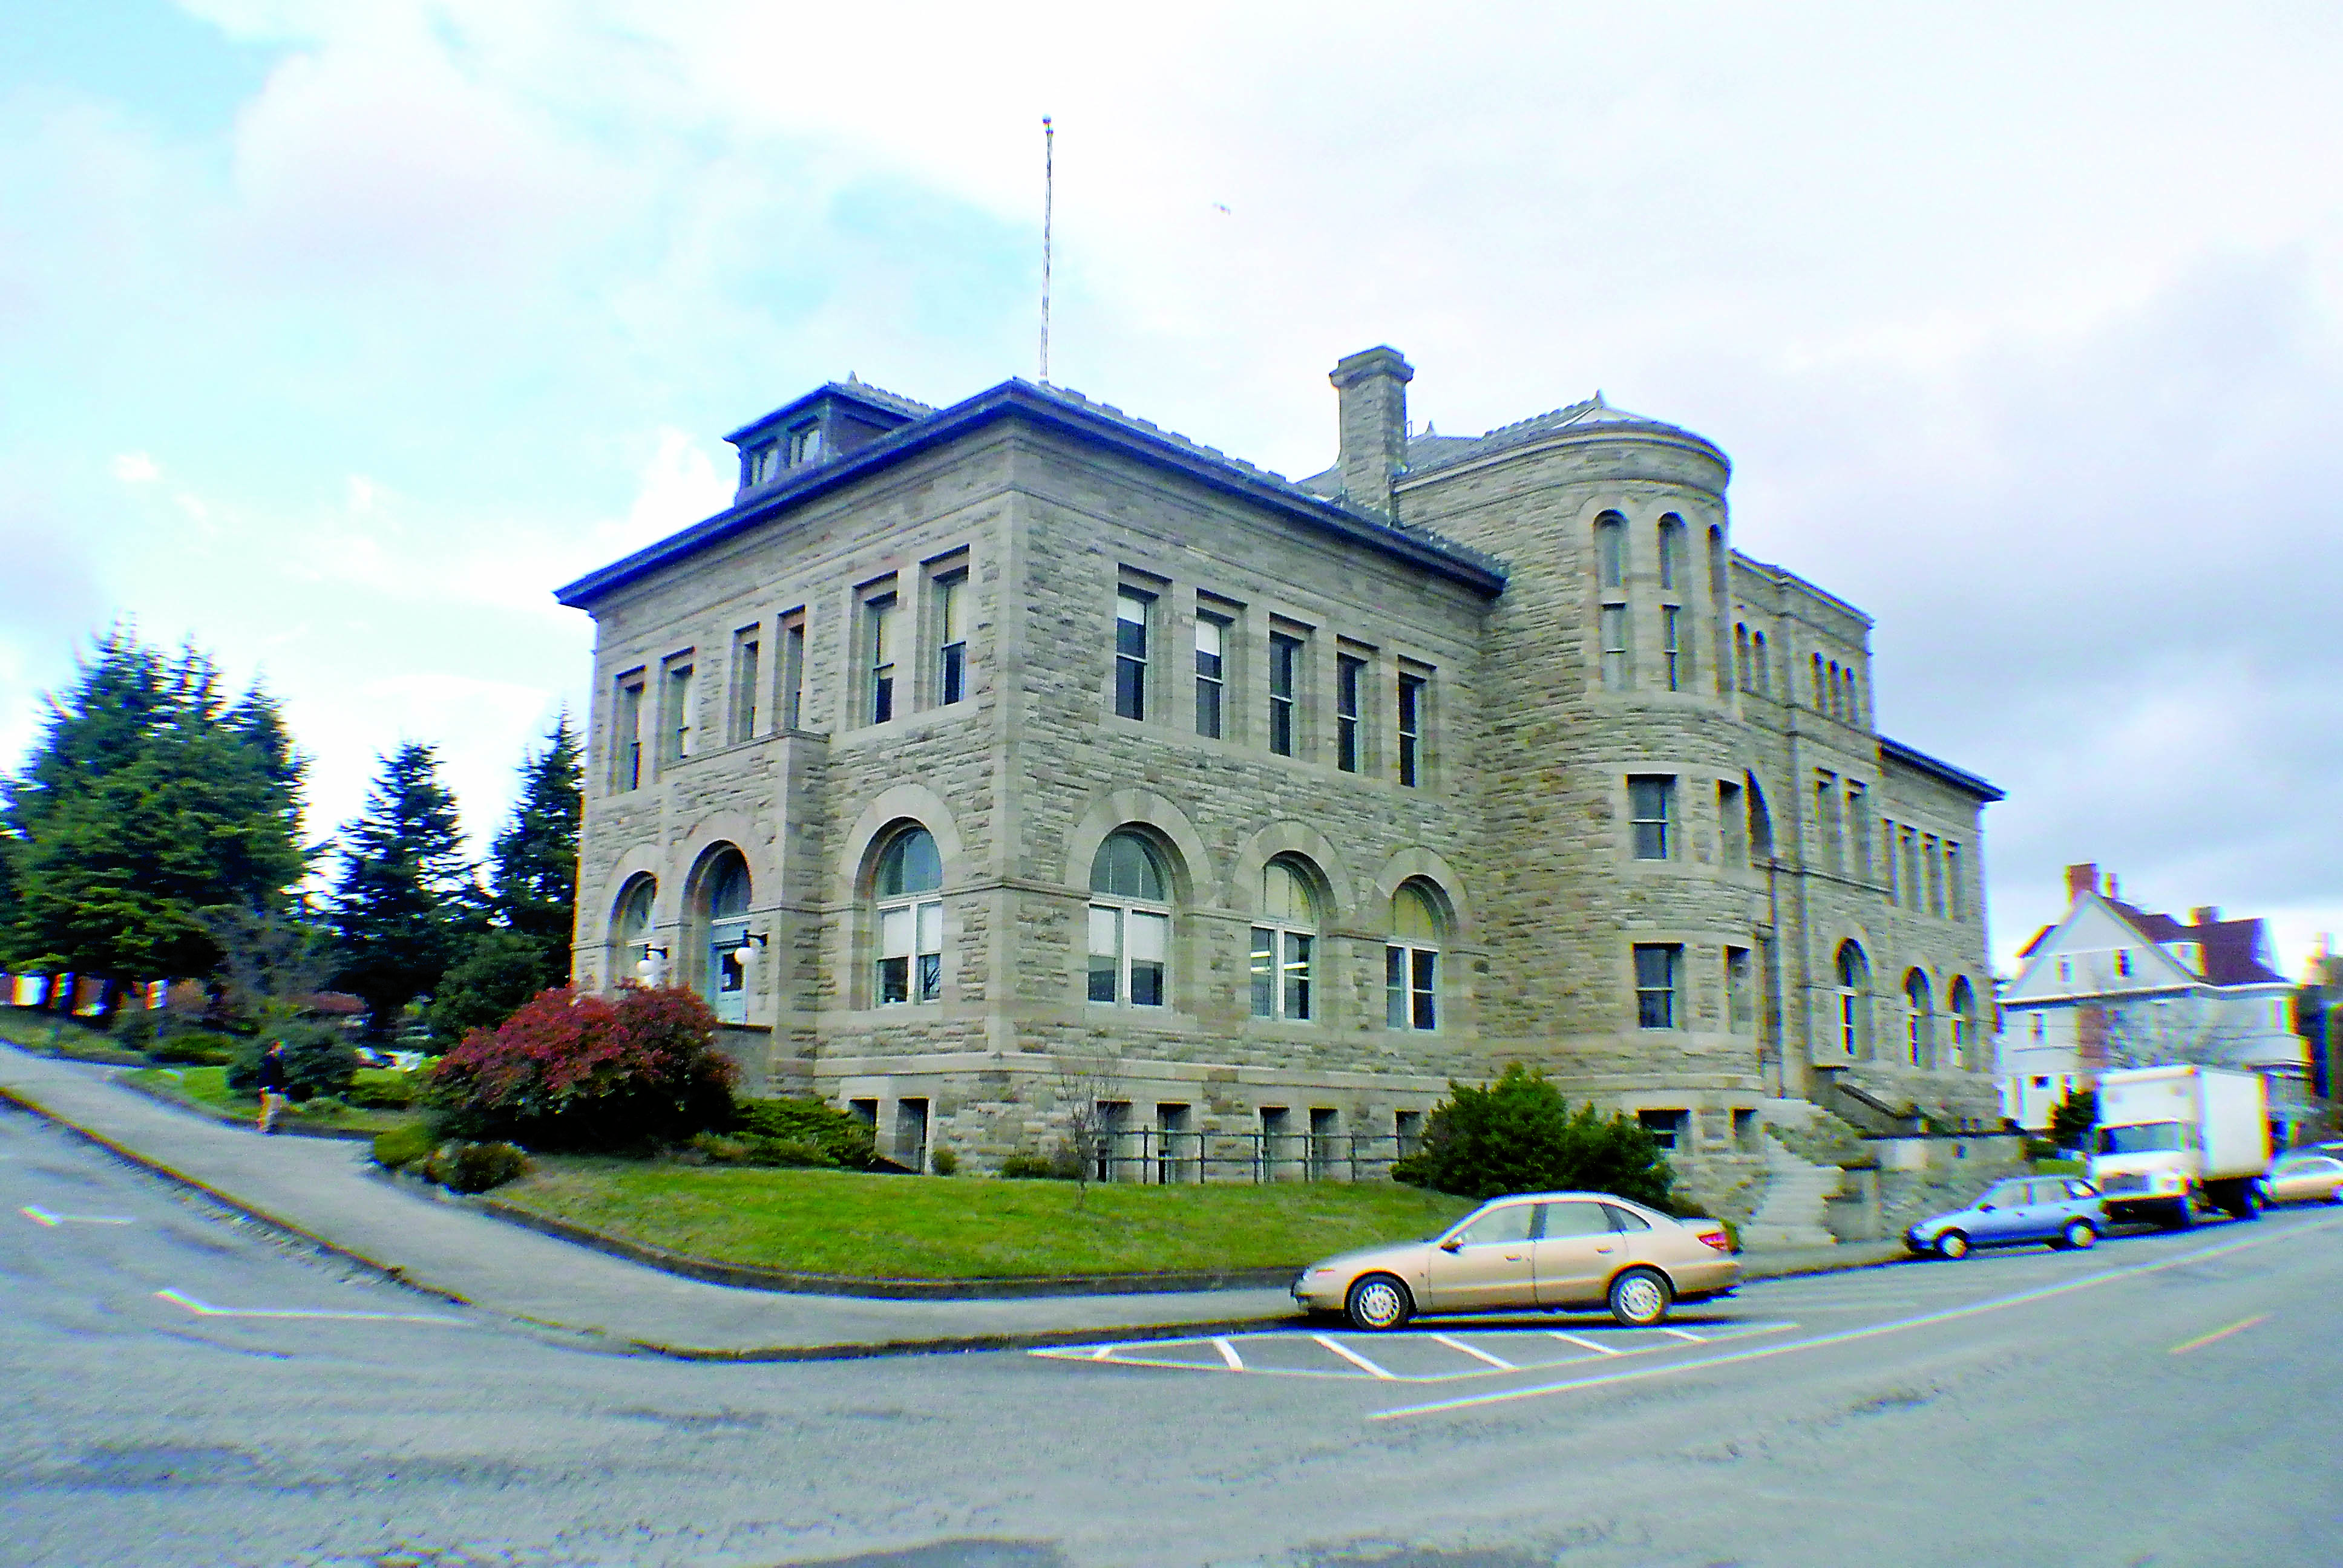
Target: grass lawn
x=208, y=1087
x=34, y=1029
x=940, y=1227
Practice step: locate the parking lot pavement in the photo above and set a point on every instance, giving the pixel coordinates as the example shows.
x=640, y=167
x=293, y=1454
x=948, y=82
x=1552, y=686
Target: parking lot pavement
x=1440, y=1354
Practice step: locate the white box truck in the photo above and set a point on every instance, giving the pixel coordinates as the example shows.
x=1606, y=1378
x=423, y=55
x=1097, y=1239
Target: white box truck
x=2173, y=1141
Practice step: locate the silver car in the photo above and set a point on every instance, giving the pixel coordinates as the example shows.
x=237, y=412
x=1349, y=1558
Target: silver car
x=1537, y=1251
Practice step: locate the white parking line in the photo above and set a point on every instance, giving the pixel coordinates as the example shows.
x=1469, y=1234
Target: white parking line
x=204, y=1310
x=1228, y=1353
x=1455, y=1344
x=1585, y=1345
x=1842, y=1336
x=1682, y=1334
x=1353, y=1357
x=40, y=1216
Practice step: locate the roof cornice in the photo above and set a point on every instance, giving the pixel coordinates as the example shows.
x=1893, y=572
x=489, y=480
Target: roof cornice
x=1960, y=779
x=1071, y=416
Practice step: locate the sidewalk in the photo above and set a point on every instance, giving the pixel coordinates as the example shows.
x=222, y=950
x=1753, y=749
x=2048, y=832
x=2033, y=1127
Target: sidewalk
x=326, y=1191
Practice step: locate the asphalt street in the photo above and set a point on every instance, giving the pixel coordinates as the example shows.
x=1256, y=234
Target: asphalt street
x=186, y=1388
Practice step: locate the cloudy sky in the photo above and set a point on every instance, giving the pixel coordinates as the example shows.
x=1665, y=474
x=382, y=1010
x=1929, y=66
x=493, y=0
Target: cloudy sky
x=333, y=334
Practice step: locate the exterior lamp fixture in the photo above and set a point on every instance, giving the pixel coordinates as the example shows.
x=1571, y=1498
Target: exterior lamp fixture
x=649, y=968
x=745, y=956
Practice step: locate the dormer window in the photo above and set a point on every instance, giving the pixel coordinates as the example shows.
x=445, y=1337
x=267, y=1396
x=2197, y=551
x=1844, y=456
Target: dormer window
x=764, y=463
x=805, y=446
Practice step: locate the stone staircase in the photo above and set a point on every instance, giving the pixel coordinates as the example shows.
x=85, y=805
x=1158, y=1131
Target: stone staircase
x=1790, y=1214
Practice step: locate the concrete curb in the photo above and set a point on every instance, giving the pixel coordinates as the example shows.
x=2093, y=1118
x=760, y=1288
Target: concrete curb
x=394, y=1272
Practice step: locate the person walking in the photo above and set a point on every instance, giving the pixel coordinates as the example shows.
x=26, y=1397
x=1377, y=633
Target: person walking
x=272, y=1084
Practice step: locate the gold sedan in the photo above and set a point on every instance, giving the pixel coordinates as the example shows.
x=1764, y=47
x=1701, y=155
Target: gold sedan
x=1551, y=1252
x=2305, y=1179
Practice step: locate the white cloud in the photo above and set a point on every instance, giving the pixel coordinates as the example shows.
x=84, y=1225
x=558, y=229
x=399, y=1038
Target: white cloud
x=136, y=468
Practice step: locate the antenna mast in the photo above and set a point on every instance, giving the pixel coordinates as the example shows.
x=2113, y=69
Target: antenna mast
x=1049, y=196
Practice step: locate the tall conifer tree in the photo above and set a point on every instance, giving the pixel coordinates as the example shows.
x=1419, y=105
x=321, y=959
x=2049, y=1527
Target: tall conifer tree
x=534, y=861
x=407, y=898
x=152, y=802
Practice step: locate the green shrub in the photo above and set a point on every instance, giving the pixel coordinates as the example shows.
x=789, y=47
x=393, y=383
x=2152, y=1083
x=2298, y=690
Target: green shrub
x=402, y=1145
x=383, y=1089
x=2040, y=1148
x=497, y=974
x=194, y=1047
x=463, y=1167
x=944, y=1160
x=1519, y=1135
x=317, y=1060
x=2072, y=1118
x=1059, y=1164
x=135, y=1030
x=842, y=1138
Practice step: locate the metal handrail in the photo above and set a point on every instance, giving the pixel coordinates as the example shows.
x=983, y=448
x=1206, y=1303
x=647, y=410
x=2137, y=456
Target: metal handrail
x=1172, y=1157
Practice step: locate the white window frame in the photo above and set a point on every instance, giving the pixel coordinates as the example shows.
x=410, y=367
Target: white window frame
x=1284, y=948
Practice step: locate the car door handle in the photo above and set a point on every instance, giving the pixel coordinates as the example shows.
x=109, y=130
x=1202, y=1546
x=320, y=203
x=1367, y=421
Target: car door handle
x=1515, y=1257
x=1610, y=1247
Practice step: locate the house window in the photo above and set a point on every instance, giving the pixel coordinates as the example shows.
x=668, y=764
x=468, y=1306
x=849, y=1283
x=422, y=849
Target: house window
x=1651, y=802
x=1350, y=676
x=1281, y=944
x=675, y=710
x=1131, y=923
x=1732, y=826
x=626, y=734
x=1412, y=961
x=746, y=647
x=1132, y=610
x=2122, y=963
x=1611, y=550
x=1672, y=554
x=805, y=446
x=911, y=919
x=1212, y=674
x=1664, y=1126
x=1853, y=982
x=1411, y=728
x=1672, y=646
x=1615, y=647
x=1407, y=1128
x=1965, y=1023
x=635, y=960
x=793, y=671
x=764, y=462
x=1953, y=881
x=1758, y=666
x=879, y=643
x=724, y=978
x=1740, y=991
x=1656, y=967
x=1919, y=1021
x=1284, y=661
x=1858, y=821
x=951, y=638
x=1740, y=655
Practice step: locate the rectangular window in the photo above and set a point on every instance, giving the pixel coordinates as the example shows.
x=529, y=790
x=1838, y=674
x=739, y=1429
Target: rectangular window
x=675, y=710
x=910, y=953
x=1350, y=675
x=1830, y=847
x=1106, y=954
x=878, y=644
x=1132, y=610
x=1411, y=727
x=951, y=638
x=1410, y=988
x=1953, y=881
x=1408, y=1127
x=1760, y=668
x=1212, y=674
x=1732, y=827
x=1666, y=1127
x=1655, y=985
x=793, y=671
x=1615, y=647
x=1858, y=823
x=1128, y=950
x=626, y=734
x=1671, y=645
x=1280, y=974
x=805, y=446
x=1285, y=661
x=747, y=644
x=1934, y=866
x=1651, y=802
x=1891, y=866
x=1740, y=991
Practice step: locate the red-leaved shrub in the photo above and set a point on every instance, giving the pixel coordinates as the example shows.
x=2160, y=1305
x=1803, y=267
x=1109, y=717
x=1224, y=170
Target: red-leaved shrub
x=572, y=1071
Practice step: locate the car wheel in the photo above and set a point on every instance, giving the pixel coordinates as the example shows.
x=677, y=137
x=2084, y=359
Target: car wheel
x=1639, y=1297
x=1953, y=1246
x=2081, y=1235
x=1379, y=1303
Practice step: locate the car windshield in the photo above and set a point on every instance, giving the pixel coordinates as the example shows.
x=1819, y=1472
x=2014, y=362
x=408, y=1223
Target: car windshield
x=2150, y=1138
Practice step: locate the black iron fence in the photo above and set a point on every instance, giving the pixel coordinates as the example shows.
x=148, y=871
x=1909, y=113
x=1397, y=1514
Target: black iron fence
x=1168, y=1156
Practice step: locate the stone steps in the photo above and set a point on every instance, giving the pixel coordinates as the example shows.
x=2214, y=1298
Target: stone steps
x=1790, y=1214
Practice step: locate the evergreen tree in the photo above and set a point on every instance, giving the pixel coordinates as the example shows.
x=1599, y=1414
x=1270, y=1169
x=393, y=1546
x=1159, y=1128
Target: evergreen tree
x=152, y=802
x=406, y=898
x=534, y=861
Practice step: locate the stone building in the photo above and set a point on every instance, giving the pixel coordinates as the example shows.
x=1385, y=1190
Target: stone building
x=971, y=743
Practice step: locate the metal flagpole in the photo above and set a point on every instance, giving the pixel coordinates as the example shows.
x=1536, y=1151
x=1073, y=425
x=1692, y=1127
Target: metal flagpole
x=1049, y=196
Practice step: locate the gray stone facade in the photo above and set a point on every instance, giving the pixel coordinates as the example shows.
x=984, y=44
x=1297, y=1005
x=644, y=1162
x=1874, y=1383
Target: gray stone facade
x=1425, y=683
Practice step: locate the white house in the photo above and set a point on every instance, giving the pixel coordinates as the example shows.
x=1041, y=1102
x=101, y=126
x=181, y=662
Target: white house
x=2112, y=985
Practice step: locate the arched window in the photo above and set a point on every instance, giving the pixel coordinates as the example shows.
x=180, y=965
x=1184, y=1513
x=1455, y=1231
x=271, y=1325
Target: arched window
x=1919, y=1021
x=1672, y=554
x=1283, y=943
x=1412, y=961
x=1964, y=1022
x=1854, y=984
x=1741, y=654
x=1131, y=923
x=724, y=978
x=1763, y=670
x=1611, y=550
x=632, y=933
x=910, y=923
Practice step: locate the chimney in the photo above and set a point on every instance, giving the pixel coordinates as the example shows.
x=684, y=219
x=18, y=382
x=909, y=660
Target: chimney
x=2081, y=880
x=1373, y=385
x=2210, y=915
